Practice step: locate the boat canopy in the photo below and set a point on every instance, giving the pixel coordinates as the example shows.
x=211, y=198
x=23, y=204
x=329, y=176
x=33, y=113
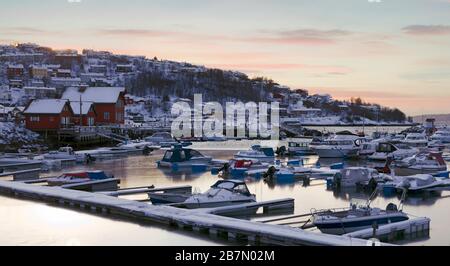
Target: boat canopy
x=268, y=151
x=94, y=175
x=233, y=186
x=179, y=154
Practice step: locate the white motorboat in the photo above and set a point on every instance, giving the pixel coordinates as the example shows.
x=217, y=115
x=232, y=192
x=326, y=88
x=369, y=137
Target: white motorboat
x=418, y=140
x=297, y=148
x=357, y=217
x=139, y=147
x=339, y=146
x=386, y=150
x=179, y=156
x=442, y=135
x=241, y=167
x=77, y=177
x=257, y=152
x=419, y=183
x=65, y=153
x=163, y=139
x=222, y=193
x=422, y=163
x=354, y=176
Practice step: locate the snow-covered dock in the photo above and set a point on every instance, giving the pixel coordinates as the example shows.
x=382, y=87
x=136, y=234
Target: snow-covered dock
x=197, y=221
x=411, y=228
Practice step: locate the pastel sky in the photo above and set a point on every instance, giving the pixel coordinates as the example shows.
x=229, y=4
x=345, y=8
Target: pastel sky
x=394, y=52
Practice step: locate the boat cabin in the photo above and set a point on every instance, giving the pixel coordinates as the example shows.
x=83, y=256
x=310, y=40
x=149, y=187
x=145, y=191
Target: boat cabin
x=179, y=154
x=235, y=186
x=268, y=151
x=303, y=145
x=386, y=147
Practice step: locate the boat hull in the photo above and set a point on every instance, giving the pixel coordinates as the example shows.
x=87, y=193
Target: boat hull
x=189, y=163
x=336, y=153
x=403, y=171
x=344, y=227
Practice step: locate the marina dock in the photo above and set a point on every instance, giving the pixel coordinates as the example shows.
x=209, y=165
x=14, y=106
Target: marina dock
x=197, y=221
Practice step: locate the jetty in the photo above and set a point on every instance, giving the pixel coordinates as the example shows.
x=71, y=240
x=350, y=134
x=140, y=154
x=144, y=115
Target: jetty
x=200, y=221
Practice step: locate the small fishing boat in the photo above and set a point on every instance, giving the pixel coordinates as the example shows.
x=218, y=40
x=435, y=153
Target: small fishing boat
x=442, y=135
x=257, y=152
x=419, y=183
x=386, y=150
x=357, y=217
x=422, y=163
x=300, y=149
x=165, y=140
x=342, y=145
x=222, y=193
x=241, y=167
x=417, y=140
x=77, y=177
x=179, y=156
x=138, y=147
x=354, y=176
x=65, y=153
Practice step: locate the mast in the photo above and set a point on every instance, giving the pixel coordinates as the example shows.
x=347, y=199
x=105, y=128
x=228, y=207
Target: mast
x=81, y=112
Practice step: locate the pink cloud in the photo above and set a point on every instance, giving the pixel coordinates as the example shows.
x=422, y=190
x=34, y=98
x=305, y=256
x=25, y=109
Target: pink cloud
x=421, y=30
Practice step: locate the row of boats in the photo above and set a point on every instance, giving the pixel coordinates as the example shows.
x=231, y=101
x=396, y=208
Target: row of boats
x=408, y=169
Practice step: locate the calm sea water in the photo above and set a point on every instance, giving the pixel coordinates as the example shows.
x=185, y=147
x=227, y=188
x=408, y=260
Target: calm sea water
x=29, y=223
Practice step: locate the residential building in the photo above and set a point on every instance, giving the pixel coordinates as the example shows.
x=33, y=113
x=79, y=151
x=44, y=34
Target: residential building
x=48, y=115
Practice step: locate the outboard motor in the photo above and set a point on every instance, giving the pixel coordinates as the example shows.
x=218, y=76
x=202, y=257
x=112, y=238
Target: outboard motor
x=337, y=179
x=270, y=174
x=281, y=151
x=373, y=184
x=90, y=159
x=225, y=168
x=147, y=151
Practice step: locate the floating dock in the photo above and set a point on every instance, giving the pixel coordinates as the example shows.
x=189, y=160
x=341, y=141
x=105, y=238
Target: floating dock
x=414, y=228
x=195, y=220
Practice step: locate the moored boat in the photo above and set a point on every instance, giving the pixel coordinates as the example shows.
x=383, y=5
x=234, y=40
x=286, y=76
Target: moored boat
x=77, y=177
x=257, y=152
x=179, y=156
x=357, y=217
x=422, y=163
x=222, y=193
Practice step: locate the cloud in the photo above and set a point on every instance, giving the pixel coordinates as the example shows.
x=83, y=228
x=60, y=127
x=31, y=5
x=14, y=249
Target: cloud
x=300, y=36
x=289, y=37
x=420, y=30
x=135, y=32
x=22, y=30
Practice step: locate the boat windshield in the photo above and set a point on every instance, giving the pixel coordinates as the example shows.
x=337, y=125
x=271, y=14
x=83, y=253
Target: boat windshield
x=358, y=203
x=168, y=155
x=196, y=154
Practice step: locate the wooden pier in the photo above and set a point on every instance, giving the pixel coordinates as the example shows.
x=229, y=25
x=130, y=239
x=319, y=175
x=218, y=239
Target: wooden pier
x=414, y=228
x=195, y=220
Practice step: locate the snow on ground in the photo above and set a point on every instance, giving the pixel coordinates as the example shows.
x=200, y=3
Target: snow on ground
x=10, y=133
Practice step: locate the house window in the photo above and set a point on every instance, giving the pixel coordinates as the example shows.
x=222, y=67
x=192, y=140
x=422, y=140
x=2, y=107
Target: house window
x=34, y=119
x=106, y=116
x=90, y=121
x=119, y=116
x=119, y=104
x=65, y=120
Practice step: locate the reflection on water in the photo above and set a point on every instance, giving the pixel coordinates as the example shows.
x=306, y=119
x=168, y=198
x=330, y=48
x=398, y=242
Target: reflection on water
x=26, y=222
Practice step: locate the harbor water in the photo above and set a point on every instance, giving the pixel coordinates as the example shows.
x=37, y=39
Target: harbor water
x=24, y=222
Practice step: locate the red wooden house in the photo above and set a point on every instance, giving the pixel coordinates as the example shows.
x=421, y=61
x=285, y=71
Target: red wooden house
x=88, y=113
x=108, y=103
x=48, y=115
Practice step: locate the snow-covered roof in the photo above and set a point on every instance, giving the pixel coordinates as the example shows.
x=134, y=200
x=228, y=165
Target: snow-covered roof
x=46, y=106
x=39, y=88
x=86, y=106
x=94, y=94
